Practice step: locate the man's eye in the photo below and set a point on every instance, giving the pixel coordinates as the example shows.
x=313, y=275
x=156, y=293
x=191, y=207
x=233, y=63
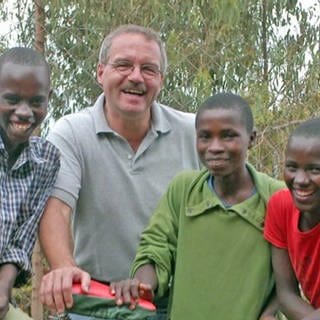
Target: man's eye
x=150, y=70
x=122, y=66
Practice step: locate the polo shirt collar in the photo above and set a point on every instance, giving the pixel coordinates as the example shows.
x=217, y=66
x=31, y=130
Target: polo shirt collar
x=99, y=119
x=159, y=122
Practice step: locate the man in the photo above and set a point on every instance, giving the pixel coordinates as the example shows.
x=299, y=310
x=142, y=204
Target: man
x=117, y=160
x=28, y=165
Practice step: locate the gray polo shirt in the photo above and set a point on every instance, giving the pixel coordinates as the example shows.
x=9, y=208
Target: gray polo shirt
x=112, y=190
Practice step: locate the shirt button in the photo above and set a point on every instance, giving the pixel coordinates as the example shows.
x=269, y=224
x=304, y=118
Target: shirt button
x=129, y=156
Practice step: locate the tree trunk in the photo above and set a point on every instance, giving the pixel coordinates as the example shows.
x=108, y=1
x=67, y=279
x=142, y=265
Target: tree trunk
x=36, y=306
x=265, y=41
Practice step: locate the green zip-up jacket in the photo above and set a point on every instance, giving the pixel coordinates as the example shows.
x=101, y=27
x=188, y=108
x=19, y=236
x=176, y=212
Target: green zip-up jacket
x=220, y=263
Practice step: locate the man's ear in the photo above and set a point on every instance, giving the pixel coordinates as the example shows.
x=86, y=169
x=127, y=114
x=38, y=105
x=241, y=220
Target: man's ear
x=100, y=70
x=253, y=137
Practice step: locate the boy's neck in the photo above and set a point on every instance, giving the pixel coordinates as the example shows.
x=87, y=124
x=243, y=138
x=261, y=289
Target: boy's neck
x=307, y=220
x=14, y=153
x=234, y=189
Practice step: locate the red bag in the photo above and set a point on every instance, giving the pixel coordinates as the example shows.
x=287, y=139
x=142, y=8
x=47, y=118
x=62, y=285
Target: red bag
x=101, y=290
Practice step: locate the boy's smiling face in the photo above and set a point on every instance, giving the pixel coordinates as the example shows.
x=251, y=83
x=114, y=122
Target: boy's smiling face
x=302, y=172
x=222, y=141
x=24, y=95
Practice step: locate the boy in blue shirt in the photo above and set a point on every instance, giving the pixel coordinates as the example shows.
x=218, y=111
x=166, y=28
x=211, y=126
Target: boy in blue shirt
x=28, y=165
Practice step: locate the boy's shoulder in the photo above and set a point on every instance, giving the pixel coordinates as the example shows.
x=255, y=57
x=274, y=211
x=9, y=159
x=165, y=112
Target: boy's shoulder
x=187, y=180
x=264, y=182
x=188, y=175
x=43, y=150
x=282, y=195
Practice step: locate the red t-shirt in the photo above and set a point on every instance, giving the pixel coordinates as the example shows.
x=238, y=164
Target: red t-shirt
x=281, y=229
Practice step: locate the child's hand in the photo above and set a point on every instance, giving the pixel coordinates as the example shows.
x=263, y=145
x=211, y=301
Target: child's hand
x=268, y=318
x=4, y=305
x=129, y=291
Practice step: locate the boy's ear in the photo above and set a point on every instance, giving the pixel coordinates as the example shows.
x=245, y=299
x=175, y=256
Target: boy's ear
x=50, y=93
x=253, y=137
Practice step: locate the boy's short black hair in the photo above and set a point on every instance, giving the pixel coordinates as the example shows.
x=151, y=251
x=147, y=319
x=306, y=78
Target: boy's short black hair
x=24, y=56
x=229, y=101
x=307, y=129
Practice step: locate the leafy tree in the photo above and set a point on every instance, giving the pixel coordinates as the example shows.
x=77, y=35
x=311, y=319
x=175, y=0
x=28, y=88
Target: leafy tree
x=266, y=51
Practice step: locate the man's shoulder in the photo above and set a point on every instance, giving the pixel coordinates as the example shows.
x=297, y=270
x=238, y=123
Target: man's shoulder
x=176, y=115
x=81, y=116
x=75, y=124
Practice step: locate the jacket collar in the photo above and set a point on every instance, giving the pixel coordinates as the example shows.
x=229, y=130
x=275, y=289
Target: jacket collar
x=200, y=198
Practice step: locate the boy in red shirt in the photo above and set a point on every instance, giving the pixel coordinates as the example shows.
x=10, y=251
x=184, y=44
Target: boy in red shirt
x=292, y=225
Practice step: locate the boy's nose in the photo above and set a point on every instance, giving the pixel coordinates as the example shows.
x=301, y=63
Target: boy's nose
x=215, y=145
x=24, y=111
x=301, y=177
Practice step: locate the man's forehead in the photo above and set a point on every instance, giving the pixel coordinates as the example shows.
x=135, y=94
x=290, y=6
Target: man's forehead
x=135, y=45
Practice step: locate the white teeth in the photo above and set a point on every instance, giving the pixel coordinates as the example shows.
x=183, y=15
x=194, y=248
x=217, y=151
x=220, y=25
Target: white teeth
x=302, y=193
x=22, y=126
x=134, y=91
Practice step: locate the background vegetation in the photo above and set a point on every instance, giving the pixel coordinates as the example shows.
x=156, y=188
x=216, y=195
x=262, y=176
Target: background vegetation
x=267, y=51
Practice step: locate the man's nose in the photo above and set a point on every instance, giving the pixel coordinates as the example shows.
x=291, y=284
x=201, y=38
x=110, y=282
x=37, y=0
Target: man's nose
x=136, y=74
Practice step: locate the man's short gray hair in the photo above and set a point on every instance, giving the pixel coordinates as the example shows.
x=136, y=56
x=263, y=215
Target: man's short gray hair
x=148, y=33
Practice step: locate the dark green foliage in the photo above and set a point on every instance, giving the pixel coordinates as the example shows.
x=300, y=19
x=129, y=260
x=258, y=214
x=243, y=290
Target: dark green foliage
x=266, y=51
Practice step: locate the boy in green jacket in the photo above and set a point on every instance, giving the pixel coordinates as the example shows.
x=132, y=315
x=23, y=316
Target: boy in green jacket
x=204, y=241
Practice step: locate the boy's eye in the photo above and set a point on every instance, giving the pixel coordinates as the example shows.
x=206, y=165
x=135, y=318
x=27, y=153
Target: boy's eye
x=315, y=170
x=36, y=101
x=229, y=134
x=203, y=136
x=290, y=167
x=12, y=99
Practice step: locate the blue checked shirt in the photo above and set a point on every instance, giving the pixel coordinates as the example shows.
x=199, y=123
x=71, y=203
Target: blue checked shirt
x=24, y=190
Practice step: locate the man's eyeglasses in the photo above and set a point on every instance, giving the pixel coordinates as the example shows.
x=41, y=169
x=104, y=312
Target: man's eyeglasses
x=148, y=70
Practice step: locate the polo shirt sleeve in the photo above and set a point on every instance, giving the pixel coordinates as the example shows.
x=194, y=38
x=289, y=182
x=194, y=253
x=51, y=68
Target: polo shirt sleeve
x=68, y=182
x=275, y=222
